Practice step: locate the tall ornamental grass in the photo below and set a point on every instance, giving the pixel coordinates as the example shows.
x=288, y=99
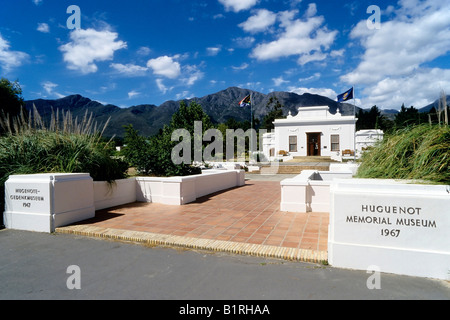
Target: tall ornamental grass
x=65, y=145
x=414, y=153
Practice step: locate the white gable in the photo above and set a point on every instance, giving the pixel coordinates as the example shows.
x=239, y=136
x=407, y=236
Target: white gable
x=319, y=115
x=322, y=112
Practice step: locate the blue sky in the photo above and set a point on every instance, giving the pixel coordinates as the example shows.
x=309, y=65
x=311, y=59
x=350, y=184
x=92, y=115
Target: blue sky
x=149, y=51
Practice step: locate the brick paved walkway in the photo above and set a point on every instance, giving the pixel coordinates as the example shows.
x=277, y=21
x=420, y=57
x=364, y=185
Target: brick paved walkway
x=249, y=215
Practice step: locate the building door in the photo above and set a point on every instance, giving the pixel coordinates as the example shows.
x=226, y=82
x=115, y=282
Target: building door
x=314, y=146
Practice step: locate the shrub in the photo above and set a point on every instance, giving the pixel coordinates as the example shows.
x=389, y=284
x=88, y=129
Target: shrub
x=418, y=153
x=53, y=152
x=153, y=155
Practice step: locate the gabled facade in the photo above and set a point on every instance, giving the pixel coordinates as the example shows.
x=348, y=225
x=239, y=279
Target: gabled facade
x=314, y=131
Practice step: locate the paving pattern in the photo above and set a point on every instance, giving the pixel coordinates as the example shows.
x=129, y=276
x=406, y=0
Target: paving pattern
x=244, y=220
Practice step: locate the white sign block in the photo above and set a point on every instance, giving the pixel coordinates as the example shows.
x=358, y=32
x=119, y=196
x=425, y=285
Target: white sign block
x=401, y=228
x=43, y=202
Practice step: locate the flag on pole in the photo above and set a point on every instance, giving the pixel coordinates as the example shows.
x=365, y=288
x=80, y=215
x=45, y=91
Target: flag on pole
x=345, y=96
x=245, y=102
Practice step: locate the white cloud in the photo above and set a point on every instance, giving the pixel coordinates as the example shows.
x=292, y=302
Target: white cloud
x=241, y=67
x=10, y=59
x=279, y=81
x=329, y=93
x=295, y=3
x=129, y=69
x=144, y=51
x=312, y=10
x=304, y=38
x=165, y=66
x=184, y=76
x=238, y=5
x=396, y=57
x=401, y=47
x=49, y=89
x=162, y=87
x=184, y=95
x=43, y=27
x=315, y=76
x=410, y=8
x=133, y=94
x=191, y=74
x=261, y=21
x=337, y=53
x=418, y=89
x=88, y=47
x=245, y=42
x=37, y=2
x=213, y=51
x=316, y=56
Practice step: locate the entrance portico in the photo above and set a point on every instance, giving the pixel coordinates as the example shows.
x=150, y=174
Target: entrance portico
x=314, y=144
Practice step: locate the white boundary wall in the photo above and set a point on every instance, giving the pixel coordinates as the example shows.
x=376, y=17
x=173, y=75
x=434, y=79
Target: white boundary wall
x=108, y=195
x=309, y=191
x=399, y=227
x=44, y=202
x=183, y=190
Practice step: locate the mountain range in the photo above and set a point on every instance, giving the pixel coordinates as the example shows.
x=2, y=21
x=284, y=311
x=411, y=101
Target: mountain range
x=148, y=119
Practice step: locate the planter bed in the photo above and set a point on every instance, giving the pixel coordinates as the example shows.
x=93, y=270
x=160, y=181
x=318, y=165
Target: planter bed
x=43, y=202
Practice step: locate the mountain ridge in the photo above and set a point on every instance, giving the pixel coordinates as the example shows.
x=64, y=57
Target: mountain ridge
x=148, y=119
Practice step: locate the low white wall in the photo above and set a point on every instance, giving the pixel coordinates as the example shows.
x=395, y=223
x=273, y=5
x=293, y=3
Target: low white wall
x=397, y=226
x=309, y=191
x=108, y=195
x=348, y=166
x=183, y=190
x=159, y=190
x=226, y=165
x=43, y=202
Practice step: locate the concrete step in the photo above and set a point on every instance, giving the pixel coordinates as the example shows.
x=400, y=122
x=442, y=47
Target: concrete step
x=292, y=169
x=311, y=159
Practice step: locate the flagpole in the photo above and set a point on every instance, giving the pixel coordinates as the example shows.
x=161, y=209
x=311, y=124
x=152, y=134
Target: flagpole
x=354, y=113
x=251, y=122
x=251, y=109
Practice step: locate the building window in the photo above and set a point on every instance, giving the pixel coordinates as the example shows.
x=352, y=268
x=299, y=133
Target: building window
x=293, y=144
x=335, y=143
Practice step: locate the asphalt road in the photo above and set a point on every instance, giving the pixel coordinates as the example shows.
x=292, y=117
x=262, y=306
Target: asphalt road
x=36, y=266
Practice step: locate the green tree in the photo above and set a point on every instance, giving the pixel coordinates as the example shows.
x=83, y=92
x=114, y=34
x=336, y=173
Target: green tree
x=275, y=112
x=11, y=100
x=154, y=155
x=186, y=115
x=409, y=117
x=231, y=123
x=136, y=149
x=372, y=119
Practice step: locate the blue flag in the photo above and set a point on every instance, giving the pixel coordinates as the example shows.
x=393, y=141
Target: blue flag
x=345, y=96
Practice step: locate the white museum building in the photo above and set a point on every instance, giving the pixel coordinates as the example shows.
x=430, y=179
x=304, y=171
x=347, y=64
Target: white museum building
x=314, y=131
